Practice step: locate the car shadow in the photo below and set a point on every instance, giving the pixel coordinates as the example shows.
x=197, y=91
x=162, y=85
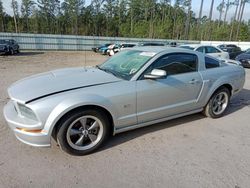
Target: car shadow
x=28, y=53
x=24, y=54
x=130, y=135
x=240, y=101
x=237, y=103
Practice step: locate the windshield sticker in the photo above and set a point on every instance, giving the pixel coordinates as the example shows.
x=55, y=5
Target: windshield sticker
x=149, y=54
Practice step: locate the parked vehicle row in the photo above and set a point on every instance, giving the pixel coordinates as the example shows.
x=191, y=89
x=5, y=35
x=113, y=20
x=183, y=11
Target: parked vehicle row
x=9, y=46
x=207, y=49
x=233, y=50
x=111, y=49
x=244, y=58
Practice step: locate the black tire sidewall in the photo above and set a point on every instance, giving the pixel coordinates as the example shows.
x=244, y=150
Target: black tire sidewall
x=62, y=132
x=209, y=107
x=11, y=51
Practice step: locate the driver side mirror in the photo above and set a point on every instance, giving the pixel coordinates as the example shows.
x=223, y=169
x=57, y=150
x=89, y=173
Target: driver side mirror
x=156, y=74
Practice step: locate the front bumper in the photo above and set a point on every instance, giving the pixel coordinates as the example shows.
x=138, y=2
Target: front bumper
x=245, y=63
x=20, y=126
x=3, y=50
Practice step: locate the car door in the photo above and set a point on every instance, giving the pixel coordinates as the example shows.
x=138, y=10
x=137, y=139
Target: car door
x=213, y=51
x=176, y=93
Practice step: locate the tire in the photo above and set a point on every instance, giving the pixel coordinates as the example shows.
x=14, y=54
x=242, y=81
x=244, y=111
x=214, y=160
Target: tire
x=75, y=135
x=218, y=103
x=11, y=51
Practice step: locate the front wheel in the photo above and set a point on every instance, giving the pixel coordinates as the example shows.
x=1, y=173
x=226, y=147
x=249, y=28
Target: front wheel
x=83, y=132
x=11, y=51
x=217, y=104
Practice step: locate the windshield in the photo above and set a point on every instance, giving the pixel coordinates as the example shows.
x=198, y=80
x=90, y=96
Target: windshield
x=127, y=63
x=2, y=42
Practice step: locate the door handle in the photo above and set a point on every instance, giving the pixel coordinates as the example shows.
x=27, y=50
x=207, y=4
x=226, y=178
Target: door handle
x=193, y=81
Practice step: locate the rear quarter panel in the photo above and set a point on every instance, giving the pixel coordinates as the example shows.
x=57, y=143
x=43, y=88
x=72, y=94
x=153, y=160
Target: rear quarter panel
x=213, y=78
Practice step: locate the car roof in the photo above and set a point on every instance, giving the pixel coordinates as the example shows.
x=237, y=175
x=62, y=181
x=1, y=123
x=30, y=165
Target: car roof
x=197, y=45
x=159, y=49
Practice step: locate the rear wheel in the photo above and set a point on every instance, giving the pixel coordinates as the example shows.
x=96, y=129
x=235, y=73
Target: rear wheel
x=83, y=132
x=218, y=103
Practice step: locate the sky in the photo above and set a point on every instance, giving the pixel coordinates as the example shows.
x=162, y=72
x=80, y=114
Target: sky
x=195, y=8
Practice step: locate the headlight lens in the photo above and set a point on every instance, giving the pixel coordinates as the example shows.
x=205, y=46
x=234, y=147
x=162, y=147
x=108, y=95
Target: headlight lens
x=26, y=112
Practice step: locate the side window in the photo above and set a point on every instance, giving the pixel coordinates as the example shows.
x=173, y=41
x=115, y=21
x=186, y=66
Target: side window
x=210, y=49
x=200, y=49
x=211, y=63
x=177, y=63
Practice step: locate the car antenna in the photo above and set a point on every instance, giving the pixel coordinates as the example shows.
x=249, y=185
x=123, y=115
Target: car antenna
x=85, y=59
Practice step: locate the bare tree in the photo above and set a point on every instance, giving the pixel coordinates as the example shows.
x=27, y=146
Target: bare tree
x=199, y=20
x=26, y=9
x=209, y=19
x=228, y=4
x=1, y=17
x=240, y=15
x=220, y=8
x=236, y=2
x=14, y=7
x=187, y=3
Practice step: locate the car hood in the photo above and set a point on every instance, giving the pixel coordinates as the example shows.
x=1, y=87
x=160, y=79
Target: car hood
x=3, y=44
x=57, y=81
x=243, y=56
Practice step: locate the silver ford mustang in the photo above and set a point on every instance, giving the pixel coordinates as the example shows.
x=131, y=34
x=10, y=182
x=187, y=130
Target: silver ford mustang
x=81, y=107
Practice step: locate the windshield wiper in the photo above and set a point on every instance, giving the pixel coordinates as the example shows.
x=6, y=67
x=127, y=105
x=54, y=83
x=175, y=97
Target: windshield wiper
x=108, y=71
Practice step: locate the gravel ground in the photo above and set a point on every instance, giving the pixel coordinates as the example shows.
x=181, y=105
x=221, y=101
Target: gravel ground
x=191, y=151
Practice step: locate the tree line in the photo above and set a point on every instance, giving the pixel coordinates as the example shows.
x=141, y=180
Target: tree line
x=128, y=18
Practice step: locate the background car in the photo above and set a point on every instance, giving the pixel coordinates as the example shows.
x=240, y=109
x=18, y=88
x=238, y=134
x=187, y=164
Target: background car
x=232, y=49
x=96, y=49
x=172, y=44
x=80, y=108
x=244, y=58
x=9, y=46
x=117, y=48
x=207, y=49
x=151, y=44
x=104, y=50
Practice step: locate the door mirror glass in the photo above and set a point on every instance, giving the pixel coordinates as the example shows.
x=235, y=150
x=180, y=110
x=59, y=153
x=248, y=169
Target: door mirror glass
x=156, y=74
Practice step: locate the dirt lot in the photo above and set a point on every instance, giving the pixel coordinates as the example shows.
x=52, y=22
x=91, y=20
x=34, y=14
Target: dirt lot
x=192, y=151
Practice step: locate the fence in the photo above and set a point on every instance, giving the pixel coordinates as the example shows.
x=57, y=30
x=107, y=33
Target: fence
x=72, y=42
x=75, y=42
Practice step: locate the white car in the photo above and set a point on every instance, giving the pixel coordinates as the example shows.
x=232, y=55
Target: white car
x=207, y=49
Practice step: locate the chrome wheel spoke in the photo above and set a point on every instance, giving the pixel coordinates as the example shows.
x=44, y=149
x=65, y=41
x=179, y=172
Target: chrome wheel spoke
x=219, y=108
x=79, y=142
x=94, y=125
x=83, y=122
x=220, y=103
x=75, y=132
x=85, y=132
x=215, y=108
x=92, y=137
x=220, y=96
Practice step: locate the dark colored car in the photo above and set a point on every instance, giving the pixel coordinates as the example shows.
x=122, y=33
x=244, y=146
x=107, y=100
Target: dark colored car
x=172, y=44
x=9, y=46
x=232, y=49
x=126, y=45
x=244, y=58
x=96, y=49
x=151, y=44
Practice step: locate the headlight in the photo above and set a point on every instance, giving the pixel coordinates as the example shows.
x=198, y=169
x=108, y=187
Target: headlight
x=26, y=112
